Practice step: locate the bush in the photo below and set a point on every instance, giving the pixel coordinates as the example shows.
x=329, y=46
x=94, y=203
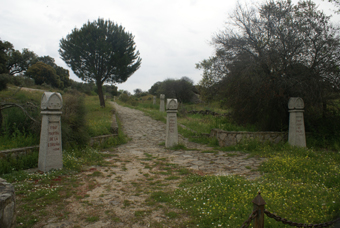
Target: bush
x=74, y=128
x=124, y=97
x=10, y=163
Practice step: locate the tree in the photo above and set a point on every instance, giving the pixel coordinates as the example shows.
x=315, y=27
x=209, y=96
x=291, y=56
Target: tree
x=3, y=58
x=154, y=88
x=276, y=51
x=101, y=51
x=19, y=62
x=63, y=74
x=43, y=73
x=181, y=89
x=138, y=92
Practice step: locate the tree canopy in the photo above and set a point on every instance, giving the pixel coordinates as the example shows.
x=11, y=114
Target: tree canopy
x=270, y=53
x=44, y=73
x=181, y=89
x=101, y=51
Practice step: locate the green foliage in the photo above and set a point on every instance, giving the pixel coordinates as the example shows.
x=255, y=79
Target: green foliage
x=74, y=125
x=268, y=60
x=182, y=89
x=298, y=184
x=98, y=118
x=3, y=59
x=154, y=90
x=18, y=139
x=9, y=163
x=19, y=62
x=14, y=122
x=43, y=73
x=118, y=56
x=4, y=78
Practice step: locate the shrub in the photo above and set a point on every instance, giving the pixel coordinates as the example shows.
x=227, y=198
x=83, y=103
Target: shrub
x=74, y=128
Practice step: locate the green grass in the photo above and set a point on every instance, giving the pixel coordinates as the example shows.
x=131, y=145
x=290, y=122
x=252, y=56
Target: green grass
x=11, y=163
x=18, y=139
x=98, y=118
x=302, y=185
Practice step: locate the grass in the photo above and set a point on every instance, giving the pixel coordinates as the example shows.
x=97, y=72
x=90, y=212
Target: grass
x=11, y=163
x=49, y=191
x=15, y=131
x=302, y=185
x=97, y=118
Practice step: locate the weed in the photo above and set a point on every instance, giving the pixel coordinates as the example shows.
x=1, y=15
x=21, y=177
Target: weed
x=92, y=219
x=172, y=215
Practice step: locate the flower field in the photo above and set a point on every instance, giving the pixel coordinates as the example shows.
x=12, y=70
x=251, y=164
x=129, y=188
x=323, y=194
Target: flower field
x=301, y=185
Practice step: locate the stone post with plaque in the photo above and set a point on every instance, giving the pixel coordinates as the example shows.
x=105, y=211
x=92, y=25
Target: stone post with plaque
x=154, y=100
x=161, y=106
x=296, y=135
x=50, y=150
x=171, y=123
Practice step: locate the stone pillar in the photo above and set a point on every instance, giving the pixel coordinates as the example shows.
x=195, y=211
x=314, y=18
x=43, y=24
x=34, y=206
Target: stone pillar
x=296, y=135
x=154, y=100
x=161, y=107
x=50, y=150
x=171, y=123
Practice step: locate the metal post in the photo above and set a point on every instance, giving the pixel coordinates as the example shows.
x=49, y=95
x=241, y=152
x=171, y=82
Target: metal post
x=259, y=203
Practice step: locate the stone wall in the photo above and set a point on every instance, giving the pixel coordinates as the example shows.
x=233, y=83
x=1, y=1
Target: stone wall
x=19, y=151
x=7, y=205
x=98, y=139
x=230, y=138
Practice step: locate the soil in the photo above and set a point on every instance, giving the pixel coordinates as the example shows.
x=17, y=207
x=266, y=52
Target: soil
x=127, y=191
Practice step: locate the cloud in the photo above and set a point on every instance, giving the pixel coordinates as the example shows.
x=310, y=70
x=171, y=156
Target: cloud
x=171, y=35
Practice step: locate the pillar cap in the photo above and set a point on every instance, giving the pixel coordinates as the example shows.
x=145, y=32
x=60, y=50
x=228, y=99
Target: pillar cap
x=258, y=200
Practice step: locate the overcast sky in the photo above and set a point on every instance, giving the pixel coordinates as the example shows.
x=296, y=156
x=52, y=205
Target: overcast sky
x=171, y=35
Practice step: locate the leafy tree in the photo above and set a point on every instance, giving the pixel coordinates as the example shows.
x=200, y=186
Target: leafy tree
x=19, y=62
x=138, y=92
x=154, y=88
x=100, y=51
x=43, y=73
x=63, y=74
x=181, y=89
x=276, y=51
x=3, y=58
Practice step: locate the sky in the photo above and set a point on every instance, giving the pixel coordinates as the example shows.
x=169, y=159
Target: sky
x=171, y=35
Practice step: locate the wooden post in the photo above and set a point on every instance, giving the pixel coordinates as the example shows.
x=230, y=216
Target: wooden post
x=259, y=203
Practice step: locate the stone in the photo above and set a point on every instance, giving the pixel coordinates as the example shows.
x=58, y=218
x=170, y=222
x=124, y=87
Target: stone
x=171, y=123
x=50, y=148
x=154, y=100
x=7, y=205
x=296, y=133
x=161, y=106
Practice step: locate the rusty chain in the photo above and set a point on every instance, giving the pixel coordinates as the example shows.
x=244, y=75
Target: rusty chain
x=285, y=221
x=251, y=217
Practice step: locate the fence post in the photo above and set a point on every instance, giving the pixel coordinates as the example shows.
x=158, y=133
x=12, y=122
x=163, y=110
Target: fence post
x=259, y=203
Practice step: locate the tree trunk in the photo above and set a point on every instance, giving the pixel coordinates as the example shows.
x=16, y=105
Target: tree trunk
x=100, y=94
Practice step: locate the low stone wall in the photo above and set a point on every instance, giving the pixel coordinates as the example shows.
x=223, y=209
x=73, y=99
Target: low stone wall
x=7, y=205
x=98, y=139
x=19, y=151
x=230, y=138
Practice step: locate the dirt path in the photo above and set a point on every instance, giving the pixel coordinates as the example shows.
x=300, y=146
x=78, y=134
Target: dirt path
x=128, y=191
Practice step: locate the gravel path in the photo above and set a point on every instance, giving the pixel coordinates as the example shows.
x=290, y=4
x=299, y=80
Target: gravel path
x=147, y=134
x=119, y=193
